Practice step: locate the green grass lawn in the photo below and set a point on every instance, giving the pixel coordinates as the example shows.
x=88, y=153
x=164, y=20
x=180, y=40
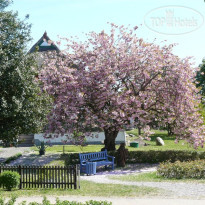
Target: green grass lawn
x=169, y=145
x=71, y=148
x=152, y=177
x=168, y=140
x=57, y=162
x=90, y=189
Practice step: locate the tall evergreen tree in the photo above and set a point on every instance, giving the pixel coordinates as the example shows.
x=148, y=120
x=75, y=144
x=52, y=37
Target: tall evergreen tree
x=23, y=106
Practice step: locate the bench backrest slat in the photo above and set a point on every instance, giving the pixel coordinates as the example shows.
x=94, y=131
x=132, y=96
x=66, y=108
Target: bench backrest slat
x=93, y=156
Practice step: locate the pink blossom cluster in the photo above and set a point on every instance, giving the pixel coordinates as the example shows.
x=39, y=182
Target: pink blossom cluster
x=146, y=133
x=113, y=79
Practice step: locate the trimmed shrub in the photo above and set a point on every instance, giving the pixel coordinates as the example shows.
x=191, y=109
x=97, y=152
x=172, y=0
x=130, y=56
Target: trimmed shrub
x=182, y=170
x=156, y=156
x=9, y=179
x=149, y=156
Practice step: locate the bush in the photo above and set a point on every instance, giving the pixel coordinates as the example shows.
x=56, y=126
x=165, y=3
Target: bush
x=98, y=203
x=149, y=156
x=182, y=170
x=153, y=156
x=9, y=202
x=91, y=202
x=58, y=202
x=9, y=179
x=70, y=159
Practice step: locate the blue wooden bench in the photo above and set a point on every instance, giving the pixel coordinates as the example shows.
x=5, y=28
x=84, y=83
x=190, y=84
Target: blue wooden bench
x=101, y=159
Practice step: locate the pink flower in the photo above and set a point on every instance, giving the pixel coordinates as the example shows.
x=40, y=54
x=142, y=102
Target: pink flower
x=116, y=79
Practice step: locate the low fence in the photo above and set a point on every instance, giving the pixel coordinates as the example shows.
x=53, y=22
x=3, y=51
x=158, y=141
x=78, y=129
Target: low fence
x=46, y=176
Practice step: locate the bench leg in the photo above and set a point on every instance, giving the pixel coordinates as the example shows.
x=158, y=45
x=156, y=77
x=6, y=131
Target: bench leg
x=90, y=168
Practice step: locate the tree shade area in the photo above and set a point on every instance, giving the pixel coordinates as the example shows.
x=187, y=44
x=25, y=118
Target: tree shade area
x=23, y=107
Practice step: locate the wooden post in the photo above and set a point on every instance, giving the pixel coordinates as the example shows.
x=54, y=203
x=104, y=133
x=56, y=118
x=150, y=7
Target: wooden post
x=58, y=169
x=38, y=176
x=53, y=179
x=55, y=174
x=41, y=177
x=75, y=176
x=35, y=168
x=61, y=176
x=49, y=177
x=78, y=175
x=19, y=171
x=29, y=176
x=68, y=176
x=26, y=176
x=46, y=176
x=32, y=174
x=71, y=177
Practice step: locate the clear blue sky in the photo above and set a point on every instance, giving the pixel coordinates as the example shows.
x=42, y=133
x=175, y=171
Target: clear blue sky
x=73, y=17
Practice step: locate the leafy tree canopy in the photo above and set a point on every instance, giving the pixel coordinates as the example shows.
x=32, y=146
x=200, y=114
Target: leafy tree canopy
x=200, y=78
x=23, y=106
x=119, y=79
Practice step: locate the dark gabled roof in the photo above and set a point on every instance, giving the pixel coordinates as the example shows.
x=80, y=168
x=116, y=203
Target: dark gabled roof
x=44, y=44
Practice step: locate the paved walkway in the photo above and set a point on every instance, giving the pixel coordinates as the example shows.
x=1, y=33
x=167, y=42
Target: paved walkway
x=176, y=189
x=190, y=190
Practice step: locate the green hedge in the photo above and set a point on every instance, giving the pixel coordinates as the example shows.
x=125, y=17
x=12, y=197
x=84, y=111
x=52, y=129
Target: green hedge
x=153, y=156
x=150, y=156
x=182, y=170
x=45, y=201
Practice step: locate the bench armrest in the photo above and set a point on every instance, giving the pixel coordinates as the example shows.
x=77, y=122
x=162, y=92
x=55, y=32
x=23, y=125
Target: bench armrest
x=110, y=156
x=83, y=162
x=113, y=158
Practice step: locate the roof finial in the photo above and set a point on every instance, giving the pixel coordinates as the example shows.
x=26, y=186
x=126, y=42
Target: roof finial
x=45, y=34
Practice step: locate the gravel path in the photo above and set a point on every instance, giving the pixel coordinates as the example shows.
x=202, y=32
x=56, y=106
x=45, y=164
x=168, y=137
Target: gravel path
x=28, y=157
x=11, y=151
x=33, y=159
x=179, y=189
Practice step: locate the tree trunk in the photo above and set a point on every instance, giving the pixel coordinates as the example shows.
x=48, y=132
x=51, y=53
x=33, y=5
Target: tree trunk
x=110, y=137
x=169, y=129
x=139, y=128
x=139, y=131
